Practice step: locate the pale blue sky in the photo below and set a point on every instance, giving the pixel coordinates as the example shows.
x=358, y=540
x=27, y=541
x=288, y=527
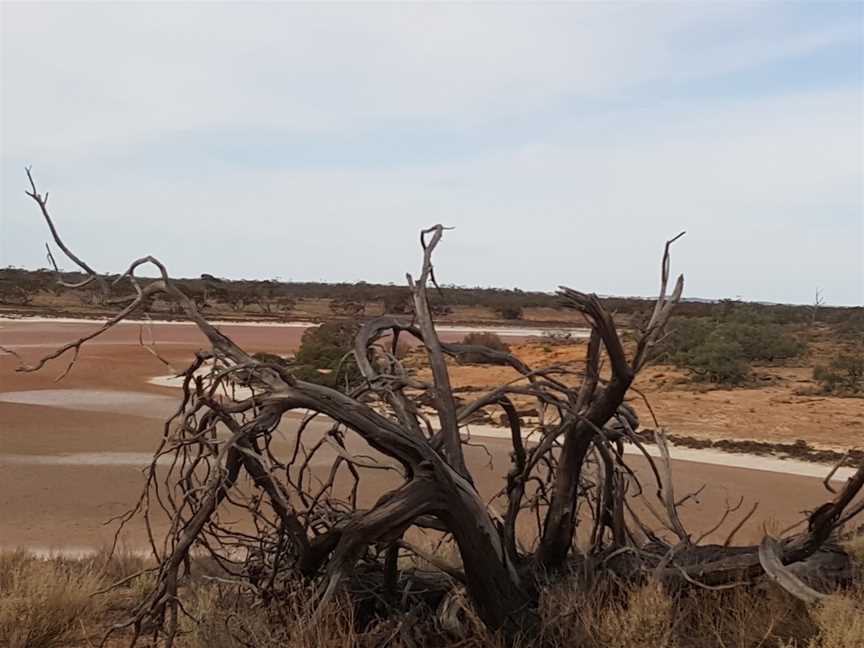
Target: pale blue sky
x=564, y=142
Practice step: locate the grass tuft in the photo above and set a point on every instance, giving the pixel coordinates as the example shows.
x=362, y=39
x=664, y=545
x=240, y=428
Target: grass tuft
x=47, y=603
x=44, y=603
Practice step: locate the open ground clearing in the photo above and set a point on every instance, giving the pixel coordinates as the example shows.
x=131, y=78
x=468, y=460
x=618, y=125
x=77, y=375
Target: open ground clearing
x=72, y=452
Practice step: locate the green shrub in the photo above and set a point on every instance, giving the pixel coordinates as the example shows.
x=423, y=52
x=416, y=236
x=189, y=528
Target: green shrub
x=722, y=350
x=324, y=354
x=762, y=342
x=684, y=336
x=717, y=360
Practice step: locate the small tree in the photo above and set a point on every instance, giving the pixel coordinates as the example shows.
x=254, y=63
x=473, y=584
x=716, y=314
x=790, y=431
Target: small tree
x=814, y=309
x=323, y=354
x=270, y=298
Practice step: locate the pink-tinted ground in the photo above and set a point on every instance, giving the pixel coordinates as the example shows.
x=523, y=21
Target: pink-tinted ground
x=71, y=453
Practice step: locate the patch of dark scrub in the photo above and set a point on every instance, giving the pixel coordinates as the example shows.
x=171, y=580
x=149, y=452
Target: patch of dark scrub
x=800, y=449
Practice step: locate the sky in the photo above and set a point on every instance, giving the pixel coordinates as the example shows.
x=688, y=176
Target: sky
x=563, y=142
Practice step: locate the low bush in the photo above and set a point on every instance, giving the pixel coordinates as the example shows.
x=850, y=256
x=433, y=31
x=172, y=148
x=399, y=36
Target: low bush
x=440, y=309
x=399, y=303
x=483, y=338
x=324, y=356
x=509, y=311
x=850, y=327
x=844, y=376
x=717, y=360
x=559, y=338
x=487, y=339
x=722, y=351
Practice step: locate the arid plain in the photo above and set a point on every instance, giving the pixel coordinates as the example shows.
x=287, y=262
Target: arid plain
x=72, y=452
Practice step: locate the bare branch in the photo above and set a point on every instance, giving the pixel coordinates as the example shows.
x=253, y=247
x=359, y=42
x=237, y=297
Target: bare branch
x=306, y=525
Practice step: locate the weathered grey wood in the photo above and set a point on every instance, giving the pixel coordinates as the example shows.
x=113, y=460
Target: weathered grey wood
x=309, y=532
x=769, y=558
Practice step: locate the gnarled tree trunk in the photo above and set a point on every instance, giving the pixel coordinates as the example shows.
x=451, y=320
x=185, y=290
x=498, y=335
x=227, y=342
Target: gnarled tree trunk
x=311, y=532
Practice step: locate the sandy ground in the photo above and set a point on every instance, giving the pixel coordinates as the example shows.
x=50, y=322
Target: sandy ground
x=778, y=411
x=71, y=453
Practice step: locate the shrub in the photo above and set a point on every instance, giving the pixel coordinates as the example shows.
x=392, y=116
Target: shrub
x=487, y=339
x=722, y=351
x=399, y=303
x=483, y=338
x=851, y=326
x=439, y=309
x=684, y=336
x=558, y=338
x=322, y=357
x=762, y=342
x=347, y=307
x=509, y=311
x=718, y=360
x=844, y=375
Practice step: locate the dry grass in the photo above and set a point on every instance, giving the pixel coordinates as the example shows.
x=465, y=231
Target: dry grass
x=855, y=547
x=45, y=603
x=840, y=618
x=48, y=604
x=841, y=621
x=223, y=619
x=642, y=617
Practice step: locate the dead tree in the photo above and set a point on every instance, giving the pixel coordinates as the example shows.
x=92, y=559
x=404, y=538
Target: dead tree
x=818, y=302
x=569, y=470
x=266, y=294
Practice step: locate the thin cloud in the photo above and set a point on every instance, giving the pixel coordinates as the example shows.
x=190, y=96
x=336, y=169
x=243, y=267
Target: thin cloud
x=565, y=143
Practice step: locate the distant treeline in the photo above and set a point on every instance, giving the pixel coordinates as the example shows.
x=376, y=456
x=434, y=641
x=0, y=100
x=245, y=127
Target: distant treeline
x=23, y=287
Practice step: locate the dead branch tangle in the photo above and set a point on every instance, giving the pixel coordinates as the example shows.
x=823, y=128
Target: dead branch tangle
x=308, y=528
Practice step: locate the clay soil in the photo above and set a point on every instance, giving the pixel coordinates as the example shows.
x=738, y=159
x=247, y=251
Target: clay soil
x=779, y=407
x=71, y=453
